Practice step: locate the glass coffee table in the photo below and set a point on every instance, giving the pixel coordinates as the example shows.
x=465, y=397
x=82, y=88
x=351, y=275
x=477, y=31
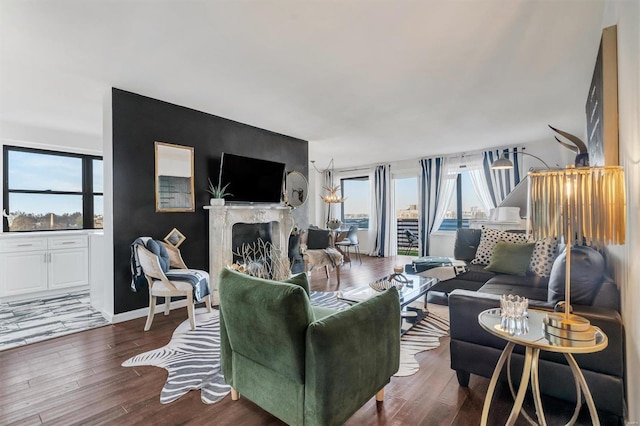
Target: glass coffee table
x=417, y=287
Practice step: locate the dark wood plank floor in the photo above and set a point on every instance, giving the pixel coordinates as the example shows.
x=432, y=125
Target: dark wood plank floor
x=78, y=379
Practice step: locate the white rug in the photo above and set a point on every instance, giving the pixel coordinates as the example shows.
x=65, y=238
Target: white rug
x=192, y=357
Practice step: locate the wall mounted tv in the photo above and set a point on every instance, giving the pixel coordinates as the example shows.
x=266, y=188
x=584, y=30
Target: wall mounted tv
x=251, y=180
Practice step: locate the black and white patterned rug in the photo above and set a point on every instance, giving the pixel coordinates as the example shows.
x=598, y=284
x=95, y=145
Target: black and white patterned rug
x=192, y=357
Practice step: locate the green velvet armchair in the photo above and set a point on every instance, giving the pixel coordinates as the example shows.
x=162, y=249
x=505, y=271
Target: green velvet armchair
x=305, y=365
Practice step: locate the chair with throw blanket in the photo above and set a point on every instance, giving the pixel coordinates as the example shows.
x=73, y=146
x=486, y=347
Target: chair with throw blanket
x=318, y=250
x=168, y=276
x=305, y=365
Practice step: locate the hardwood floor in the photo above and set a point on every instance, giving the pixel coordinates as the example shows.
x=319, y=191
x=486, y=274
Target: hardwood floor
x=77, y=379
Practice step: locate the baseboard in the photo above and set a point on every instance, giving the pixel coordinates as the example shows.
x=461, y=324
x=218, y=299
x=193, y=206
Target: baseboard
x=142, y=312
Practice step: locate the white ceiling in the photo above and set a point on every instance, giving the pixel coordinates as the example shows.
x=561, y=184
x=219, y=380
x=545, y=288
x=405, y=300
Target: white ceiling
x=363, y=81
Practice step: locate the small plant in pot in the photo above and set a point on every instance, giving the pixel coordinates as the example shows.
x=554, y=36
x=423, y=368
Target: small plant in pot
x=218, y=192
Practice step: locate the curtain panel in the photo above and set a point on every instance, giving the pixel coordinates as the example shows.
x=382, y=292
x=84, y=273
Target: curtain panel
x=382, y=233
x=430, y=182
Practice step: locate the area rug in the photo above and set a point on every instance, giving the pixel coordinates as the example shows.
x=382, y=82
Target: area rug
x=30, y=321
x=192, y=357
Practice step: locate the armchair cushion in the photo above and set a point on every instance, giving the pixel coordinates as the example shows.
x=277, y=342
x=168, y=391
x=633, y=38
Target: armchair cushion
x=157, y=248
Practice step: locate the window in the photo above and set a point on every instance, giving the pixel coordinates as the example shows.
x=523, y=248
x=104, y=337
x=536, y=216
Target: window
x=49, y=190
x=406, y=202
x=355, y=209
x=464, y=205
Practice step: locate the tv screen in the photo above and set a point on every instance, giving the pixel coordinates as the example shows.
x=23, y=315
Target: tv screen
x=251, y=180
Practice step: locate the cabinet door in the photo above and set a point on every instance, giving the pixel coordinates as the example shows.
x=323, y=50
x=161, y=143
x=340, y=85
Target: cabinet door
x=68, y=268
x=23, y=272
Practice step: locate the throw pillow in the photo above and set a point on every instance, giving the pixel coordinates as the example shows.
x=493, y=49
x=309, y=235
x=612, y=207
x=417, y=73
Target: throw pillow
x=488, y=240
x=157, y=248
x=511, y=258
x=543, y=256
x=317, y=239
x=587, y=274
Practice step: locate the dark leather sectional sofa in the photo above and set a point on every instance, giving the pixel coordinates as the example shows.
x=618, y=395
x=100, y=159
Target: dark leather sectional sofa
x=474, y=351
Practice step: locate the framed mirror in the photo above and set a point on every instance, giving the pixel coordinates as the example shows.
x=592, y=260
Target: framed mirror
x=296, y=189
x=174, y=178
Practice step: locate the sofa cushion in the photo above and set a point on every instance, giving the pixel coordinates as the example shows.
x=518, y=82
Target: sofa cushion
x=511, y=258
x=467, y=240
x=543, y=256
x=488, y=240
x=476, y=273
x=519, y=281
x=505, y=287
x=587, y=274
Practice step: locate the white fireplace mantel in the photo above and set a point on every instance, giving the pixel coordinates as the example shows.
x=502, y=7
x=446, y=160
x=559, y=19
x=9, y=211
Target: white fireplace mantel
x=221, y=221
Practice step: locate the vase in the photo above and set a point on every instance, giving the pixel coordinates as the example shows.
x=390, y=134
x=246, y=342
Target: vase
x=217, y=201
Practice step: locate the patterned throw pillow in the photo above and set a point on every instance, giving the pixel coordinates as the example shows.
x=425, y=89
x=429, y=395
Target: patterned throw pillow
x=488, y=241
x=543, y=256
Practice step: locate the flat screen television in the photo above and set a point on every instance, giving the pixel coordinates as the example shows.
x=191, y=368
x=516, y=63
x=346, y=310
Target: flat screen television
x=251, y=180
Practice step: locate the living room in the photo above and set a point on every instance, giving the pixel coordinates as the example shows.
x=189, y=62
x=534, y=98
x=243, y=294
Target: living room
x=114, y=110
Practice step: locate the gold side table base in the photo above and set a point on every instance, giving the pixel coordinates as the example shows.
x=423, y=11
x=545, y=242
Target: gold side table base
x=534, y=341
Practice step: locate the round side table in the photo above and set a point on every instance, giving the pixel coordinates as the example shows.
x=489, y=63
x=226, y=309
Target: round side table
x=534, y=341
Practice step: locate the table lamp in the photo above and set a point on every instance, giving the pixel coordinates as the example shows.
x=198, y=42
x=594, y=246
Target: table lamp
x=584, y=205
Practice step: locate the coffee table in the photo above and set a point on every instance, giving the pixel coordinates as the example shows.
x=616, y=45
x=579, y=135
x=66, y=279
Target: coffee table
x=419, y=286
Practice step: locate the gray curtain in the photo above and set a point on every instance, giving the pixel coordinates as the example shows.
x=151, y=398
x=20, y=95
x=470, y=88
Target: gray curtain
x=431, y=176
x=382, y=215
x=501, y=182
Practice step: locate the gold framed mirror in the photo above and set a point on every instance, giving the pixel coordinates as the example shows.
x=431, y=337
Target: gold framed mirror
x=174, y=178
x=296, y=189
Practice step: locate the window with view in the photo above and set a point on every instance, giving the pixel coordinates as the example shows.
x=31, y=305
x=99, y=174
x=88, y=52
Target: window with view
x=50, y=190
x=463, y=206
x=355, y=209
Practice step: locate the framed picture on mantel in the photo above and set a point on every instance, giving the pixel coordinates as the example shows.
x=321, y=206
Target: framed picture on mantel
x=602, y=103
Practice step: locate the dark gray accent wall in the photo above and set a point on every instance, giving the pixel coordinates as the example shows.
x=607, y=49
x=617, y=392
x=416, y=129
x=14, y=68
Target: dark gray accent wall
x=138, y=122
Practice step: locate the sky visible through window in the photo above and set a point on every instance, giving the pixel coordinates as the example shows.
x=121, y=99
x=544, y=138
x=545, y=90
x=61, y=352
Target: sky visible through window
x=42, y=172
x=406, y=191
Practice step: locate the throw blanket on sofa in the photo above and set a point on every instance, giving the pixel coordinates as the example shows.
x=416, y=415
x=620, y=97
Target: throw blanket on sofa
x=443, y=268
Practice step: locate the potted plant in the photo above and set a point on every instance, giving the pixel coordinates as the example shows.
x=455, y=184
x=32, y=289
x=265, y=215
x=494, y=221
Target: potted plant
x=218, y=192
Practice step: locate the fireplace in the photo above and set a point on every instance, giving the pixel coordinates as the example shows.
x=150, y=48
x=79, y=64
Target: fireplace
x=276, y=221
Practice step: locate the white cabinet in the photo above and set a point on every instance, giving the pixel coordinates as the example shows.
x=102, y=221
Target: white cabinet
x=32, y=264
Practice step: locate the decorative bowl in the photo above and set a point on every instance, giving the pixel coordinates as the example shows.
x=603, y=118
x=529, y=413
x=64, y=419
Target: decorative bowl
x=384, y=284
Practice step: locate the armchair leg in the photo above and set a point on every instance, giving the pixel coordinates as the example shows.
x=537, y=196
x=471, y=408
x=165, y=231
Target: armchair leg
x=234, y=395
x=152, y=312
x=338, y=275
x=192, y=320
x=380, y=395
x=207, y=303
x=167, y=305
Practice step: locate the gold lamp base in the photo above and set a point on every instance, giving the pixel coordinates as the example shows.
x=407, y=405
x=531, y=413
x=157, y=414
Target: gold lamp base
x=569, y=327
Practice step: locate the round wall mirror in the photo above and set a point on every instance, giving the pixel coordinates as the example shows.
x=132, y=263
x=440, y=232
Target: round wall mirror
x=297, y=189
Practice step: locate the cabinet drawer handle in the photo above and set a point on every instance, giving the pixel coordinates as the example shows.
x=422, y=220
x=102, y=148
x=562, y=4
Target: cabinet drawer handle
x=24, y=245
x=69, y=242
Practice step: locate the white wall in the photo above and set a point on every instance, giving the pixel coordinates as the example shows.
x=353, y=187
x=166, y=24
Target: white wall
x=626, y=15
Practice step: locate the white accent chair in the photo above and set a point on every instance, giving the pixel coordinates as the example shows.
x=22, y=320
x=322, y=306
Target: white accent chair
x=161, y=286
